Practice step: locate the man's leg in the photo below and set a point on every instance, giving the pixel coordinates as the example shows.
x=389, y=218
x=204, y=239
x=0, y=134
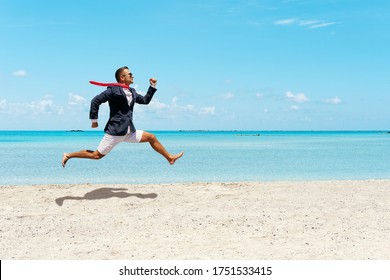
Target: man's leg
x=156, y=145
x=81, y=154
x=106, y=145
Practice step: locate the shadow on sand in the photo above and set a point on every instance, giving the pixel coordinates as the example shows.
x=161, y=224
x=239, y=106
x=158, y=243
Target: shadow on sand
x=105, y=193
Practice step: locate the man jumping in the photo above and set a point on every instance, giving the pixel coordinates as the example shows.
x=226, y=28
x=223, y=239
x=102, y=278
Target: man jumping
x=120, y=127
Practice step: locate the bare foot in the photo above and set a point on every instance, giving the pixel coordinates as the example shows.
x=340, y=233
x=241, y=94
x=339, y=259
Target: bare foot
x=64, y=159
x=175, y=157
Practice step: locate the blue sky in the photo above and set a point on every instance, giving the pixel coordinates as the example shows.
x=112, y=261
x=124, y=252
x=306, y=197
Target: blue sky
x=220, y=64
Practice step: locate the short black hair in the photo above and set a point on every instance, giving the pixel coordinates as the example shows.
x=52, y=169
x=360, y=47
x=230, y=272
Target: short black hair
x=119, y=72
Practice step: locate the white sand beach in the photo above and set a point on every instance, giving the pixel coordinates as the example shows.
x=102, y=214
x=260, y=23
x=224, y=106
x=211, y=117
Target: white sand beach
x=311, y=220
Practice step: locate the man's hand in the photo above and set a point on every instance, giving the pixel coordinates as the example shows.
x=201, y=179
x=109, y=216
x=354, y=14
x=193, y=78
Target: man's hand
x=95, y=125
x=153, y=82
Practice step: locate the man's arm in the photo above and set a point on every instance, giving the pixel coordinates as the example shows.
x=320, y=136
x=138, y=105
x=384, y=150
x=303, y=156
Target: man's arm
x=148, y=96
x=95, y=104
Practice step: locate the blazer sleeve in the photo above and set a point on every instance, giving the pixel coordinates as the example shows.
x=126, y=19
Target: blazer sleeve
x=140, y=99
x=96, y=102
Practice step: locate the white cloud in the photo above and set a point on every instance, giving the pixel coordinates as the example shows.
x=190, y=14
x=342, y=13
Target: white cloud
x=43, y=106
x=227, y=95
x=155, y=104
x=335, y=100
x=207, y=111
x=294, y=107
x=20, y=73
x=308, y=22
x=76, y=103
x=311, y=23
x=46, y=108
x=320, y=25
x=299, y=98
x=286, y=21
x=3, y=104
x=75, y=99
x=175, y=108
x=189, y=108
x=259, y=95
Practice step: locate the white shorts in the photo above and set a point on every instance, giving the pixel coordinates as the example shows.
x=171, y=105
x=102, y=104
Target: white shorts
x=110, y=141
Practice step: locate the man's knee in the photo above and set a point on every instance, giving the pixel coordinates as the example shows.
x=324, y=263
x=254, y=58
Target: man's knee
x=152, y=137
x=148, y=137
x=97, y=155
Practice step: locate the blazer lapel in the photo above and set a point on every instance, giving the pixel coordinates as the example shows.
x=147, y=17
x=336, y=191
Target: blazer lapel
x=123, y=93
x=125, y=97
x=133, y=96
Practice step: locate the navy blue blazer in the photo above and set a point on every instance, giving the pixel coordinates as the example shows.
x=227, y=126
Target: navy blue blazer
x=121, y=114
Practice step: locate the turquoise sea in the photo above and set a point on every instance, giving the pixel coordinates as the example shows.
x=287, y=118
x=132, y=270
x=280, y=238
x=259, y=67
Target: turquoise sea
x=34, y=157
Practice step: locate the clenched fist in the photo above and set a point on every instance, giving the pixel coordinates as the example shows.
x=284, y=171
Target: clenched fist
x=153, y=82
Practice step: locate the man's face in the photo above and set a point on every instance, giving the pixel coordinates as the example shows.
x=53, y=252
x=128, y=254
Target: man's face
x=127, y=77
